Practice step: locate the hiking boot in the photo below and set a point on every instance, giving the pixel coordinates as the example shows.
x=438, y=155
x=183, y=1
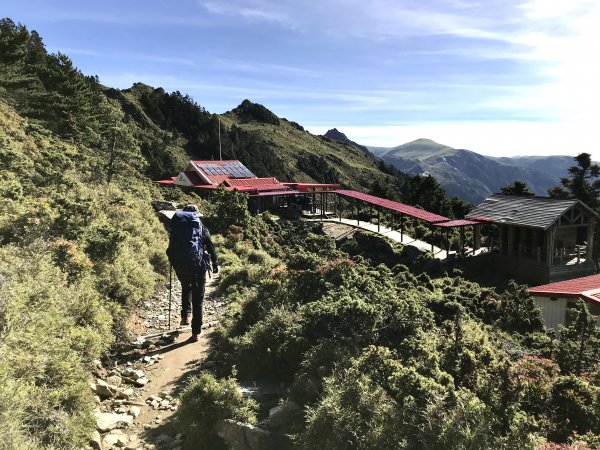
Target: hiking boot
x=193, y=338
x=185, y=320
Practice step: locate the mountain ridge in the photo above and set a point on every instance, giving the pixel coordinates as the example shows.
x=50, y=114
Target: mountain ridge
x=470, y=175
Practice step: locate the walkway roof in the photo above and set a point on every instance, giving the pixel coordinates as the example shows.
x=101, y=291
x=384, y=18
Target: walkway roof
x=457, y=223
x=394, y=206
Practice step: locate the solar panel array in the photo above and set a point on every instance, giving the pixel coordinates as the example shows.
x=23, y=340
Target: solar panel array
x=233, y=169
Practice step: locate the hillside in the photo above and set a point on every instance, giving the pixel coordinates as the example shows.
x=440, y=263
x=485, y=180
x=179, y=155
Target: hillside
x=364, y=344
x=471, y=176
x=337, y=135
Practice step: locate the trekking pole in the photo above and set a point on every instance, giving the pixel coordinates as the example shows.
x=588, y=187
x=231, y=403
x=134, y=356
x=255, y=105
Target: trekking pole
x=170, y=291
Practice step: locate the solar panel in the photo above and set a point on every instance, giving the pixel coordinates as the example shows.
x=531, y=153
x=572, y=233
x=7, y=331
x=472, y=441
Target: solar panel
x=233, y=169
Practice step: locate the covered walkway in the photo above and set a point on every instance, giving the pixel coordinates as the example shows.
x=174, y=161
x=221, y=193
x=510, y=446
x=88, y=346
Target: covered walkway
x=391, y=234
x=435, y=222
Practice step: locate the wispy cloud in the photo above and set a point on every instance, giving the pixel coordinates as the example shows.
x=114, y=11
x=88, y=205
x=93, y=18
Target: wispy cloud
x=249, y=10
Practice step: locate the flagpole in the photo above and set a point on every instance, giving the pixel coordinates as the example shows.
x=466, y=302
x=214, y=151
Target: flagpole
x=220, y=156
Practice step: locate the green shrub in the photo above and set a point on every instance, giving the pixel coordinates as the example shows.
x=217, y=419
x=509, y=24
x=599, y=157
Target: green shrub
x=50, y=330
x=575, y=408
x=206, y=400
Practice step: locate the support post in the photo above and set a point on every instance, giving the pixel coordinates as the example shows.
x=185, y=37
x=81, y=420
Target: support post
x=378, y=219
x=447, y=244
x=432, y=238
x=590, y=240
x=401, y=227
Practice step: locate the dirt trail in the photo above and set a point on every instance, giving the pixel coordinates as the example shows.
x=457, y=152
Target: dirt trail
x=166, y=365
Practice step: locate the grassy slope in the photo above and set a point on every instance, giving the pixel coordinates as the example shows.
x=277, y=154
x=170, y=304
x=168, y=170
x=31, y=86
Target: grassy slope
x=290, y=146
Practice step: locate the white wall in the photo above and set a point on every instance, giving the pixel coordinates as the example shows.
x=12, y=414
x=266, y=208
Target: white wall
x=554, y=312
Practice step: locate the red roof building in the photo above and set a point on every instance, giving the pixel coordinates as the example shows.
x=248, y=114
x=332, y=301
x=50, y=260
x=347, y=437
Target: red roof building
x=555, y=299
x=233, y=175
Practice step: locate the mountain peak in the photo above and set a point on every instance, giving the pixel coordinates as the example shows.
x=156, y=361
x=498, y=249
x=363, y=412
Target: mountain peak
x=337, y=135
x=248, y=111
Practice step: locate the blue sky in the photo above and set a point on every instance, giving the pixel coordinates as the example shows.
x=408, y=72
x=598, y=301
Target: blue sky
x=497, y=77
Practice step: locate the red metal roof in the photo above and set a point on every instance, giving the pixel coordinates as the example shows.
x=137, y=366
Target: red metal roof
x=305, y=186
x=394, y=206
x=261, y=188
x=456, y=223
x=276, y=193
x=234, y=182
x=218, y=163
x=585, y=288
x=218, y=179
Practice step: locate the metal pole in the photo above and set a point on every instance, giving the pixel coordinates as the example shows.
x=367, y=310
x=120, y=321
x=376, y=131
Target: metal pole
x=170, y=291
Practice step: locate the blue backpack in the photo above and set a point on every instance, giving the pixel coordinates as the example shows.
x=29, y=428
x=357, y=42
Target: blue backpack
x=186, y=249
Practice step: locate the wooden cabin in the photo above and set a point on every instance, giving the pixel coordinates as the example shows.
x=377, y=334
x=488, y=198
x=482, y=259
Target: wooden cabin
x=540, y=239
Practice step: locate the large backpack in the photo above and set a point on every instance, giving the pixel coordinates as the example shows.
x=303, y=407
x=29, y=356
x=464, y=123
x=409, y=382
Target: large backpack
x=186, y=250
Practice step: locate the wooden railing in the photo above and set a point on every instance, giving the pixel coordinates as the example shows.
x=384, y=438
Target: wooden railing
x=561, y=256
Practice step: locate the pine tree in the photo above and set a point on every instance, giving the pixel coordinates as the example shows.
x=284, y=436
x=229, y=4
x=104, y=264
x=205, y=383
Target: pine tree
x=517, y=188
x=579, y=342
x=582, y=184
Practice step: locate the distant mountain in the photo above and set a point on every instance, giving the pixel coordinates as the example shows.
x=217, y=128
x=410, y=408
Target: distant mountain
x=337, y=135
x=471, y=176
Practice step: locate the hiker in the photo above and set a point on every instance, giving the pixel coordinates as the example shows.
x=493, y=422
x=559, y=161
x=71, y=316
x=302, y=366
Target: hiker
x=191, y=253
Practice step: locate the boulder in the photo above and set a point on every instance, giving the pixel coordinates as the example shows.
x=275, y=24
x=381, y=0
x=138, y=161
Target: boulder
x=243, y=436
x=96, y=441
x=104, y=389
x=163, y=205
x=107, y=421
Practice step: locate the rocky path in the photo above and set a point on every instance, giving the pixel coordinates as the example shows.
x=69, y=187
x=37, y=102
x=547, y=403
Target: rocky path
x=137, y=391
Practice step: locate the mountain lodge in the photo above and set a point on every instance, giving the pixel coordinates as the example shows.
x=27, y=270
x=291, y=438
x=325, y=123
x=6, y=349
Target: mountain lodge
x=541, y=239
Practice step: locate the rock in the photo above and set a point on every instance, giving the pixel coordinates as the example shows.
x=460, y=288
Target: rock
x=115, y=438
x=283, y=414
x=96, y=364
x=114, y=380
x=126, y=393
x=103, y=389
x=96, y=441
x=108, y=421
x=142, y=382
x=135, y=411
x=134, y=445
x=243, y=436
x=134, y=374
x=146, y=359
x=164, y=205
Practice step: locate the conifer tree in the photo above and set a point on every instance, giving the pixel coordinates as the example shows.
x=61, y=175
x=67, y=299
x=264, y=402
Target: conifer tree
x=579, y=342
x=583, y=183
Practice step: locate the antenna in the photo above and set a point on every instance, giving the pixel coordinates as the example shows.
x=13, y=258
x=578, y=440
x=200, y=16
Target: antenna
x=220, y=155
